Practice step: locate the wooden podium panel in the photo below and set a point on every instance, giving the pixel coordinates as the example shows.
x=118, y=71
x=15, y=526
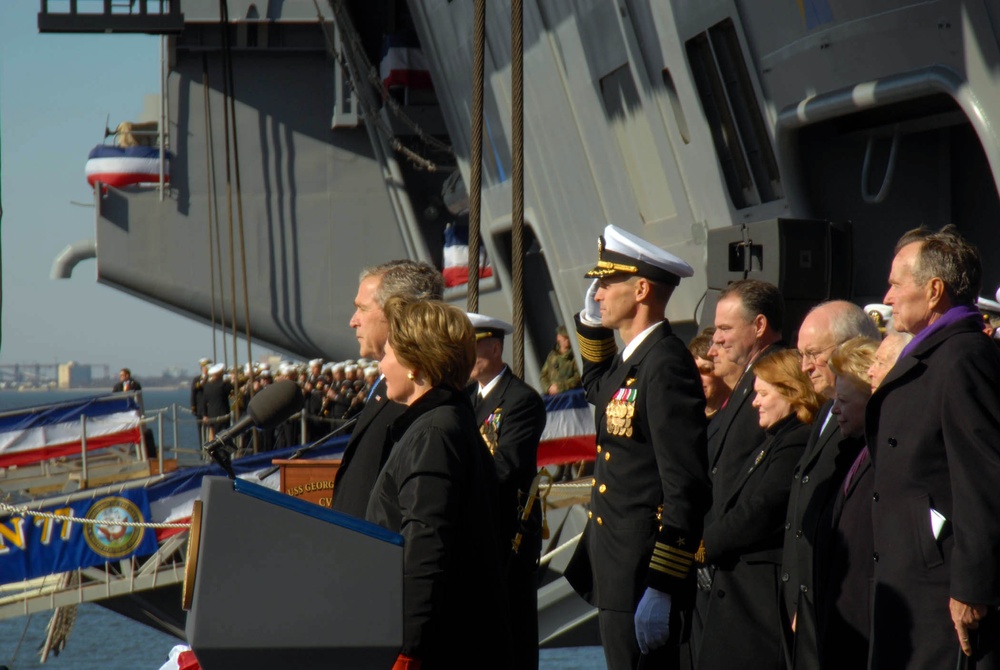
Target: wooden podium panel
x=310, y=480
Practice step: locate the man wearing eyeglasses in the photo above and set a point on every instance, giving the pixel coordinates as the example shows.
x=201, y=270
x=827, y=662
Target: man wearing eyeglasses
x=824, y=463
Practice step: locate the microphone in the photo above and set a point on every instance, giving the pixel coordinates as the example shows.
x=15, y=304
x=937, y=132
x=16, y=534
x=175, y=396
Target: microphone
x=268, y=409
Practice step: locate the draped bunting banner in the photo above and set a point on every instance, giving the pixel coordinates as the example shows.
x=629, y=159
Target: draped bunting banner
x=49, y=431
x=32, y=546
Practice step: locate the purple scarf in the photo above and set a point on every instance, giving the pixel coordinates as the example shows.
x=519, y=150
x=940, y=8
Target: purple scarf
x=952, y=316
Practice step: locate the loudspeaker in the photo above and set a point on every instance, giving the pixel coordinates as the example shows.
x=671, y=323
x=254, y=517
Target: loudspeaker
x=282, y=583
x=808, y=260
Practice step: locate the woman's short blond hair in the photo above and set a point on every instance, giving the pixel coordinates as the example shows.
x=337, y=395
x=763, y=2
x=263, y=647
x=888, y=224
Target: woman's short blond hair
x=434, y=338
x=783, y=370
x=852, y=359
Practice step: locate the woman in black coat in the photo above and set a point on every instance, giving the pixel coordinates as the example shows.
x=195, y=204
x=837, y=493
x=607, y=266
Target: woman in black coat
x=743, y=545
x=844, y=544
x=439, y=490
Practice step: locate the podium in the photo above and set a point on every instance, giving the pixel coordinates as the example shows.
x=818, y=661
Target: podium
x=277, y=582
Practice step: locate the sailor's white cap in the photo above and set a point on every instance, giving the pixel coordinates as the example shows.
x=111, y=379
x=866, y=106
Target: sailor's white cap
x=316, y=362
x=987, y=305
x=204, y=361
x=622, y=253
x=350, y=368
x=338, y=367
x=216, y=369
x=487, y=326
x=881, y=314
x=371, y=370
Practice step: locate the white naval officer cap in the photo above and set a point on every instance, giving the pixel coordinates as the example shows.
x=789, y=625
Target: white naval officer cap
x=987, y=305
x=487, y=326
x=622, y=253
x=202, y=362
x=216, y=369
x=316, y=362
x=880, y=314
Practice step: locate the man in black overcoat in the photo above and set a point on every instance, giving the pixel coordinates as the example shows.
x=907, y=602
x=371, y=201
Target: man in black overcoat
x=823, y=466
x=511, y=418
x=218, y=394
x=370, y=442
x=932, y=429
x=198, y=396
x=748, y=320
x=635, y=561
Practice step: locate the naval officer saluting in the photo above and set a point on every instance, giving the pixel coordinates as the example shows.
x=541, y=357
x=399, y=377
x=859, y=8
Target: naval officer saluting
x=635, y=561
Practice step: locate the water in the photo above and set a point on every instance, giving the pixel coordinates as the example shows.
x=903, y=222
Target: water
x=103, y=640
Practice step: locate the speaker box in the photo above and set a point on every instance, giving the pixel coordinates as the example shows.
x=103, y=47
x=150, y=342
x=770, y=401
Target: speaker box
x=808, y=260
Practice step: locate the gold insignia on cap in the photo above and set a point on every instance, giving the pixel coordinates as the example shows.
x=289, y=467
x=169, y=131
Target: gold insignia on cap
x=605, y=268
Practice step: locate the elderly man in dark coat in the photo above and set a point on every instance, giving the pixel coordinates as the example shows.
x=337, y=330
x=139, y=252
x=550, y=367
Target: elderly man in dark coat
x=932, y=429
x=821, y=469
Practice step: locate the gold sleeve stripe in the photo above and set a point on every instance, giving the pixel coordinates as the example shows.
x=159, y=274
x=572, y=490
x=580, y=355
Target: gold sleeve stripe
x=666, y=548
x=680, y=562
x=667, y=563
x=597, y=350
x=669, y=571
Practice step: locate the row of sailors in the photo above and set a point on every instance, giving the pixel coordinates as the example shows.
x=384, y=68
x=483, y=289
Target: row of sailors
x=334, y=393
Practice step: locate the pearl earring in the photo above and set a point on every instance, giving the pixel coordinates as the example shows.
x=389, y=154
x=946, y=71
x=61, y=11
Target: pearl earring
x=410, y=376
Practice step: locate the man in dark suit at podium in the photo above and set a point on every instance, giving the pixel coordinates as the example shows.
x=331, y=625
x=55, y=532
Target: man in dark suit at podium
x=511, y=418
x=370, y=442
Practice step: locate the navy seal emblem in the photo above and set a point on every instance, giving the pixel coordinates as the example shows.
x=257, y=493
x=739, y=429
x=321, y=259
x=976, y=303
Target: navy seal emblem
x=112, y=537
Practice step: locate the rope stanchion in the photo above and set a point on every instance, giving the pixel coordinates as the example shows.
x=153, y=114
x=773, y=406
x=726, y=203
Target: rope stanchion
x=517, y=180
x=476, y=158
x=24, y=511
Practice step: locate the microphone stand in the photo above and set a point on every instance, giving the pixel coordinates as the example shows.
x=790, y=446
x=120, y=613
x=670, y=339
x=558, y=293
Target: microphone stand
x=309, y=447
x=221, y=456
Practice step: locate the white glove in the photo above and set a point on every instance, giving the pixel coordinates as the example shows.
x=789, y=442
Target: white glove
x=652, y=620
x=591, y=313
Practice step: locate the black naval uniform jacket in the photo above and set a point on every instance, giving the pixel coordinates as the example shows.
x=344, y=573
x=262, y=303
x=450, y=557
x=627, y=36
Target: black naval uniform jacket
x=198, y=396
x=518, y=415
x=653, y=458
x=740, y=613
x=933, y=429
x=366, y=453
x=815, y=481
x=512, y=415
x=439, y=490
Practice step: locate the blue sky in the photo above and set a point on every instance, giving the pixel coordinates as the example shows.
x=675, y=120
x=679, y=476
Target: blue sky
x=56, y=93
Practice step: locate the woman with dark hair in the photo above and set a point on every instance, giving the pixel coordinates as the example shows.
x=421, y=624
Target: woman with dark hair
x=439, y=490
x=742, y=547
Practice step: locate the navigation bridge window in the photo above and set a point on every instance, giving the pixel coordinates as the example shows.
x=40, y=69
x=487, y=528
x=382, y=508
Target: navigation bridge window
x=741, y=140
